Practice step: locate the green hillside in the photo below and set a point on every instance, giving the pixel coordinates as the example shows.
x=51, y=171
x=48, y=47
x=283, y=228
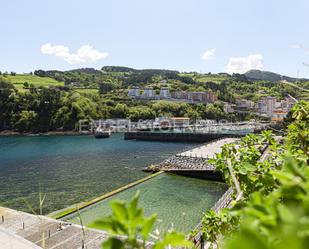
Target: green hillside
x=270, y=76
x=203, y=78
x=19, y=79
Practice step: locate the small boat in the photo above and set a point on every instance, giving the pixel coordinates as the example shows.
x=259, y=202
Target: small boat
x=100, y=133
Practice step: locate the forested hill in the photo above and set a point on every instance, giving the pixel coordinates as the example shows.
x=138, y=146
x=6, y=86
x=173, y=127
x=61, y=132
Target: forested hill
x=251, y=85
x=270, y=76
x=132, y=70
x=117, y=76
x=57, y=100
x=127, y=76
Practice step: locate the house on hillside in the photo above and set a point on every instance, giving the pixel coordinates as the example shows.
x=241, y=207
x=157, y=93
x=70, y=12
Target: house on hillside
x=267, y=105
x=278, y=115
x=180, y=122
x=134, y=92
x=195, y=97
x=165, y=93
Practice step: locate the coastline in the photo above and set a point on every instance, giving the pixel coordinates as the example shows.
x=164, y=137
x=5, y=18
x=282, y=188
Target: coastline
x=182, y=165
x=196, y=162
x=9, y=133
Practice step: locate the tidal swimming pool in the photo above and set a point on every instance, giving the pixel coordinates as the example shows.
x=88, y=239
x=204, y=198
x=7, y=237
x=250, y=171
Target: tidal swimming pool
x=72, y=169
x=178, y=201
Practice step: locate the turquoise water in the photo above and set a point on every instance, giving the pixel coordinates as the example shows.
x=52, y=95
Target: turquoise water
x=71, y=169
x=178, y=201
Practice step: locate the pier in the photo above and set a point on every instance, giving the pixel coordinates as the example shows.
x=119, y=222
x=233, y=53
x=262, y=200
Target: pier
x=197, y=137
x=208, y=150
x=193, y=162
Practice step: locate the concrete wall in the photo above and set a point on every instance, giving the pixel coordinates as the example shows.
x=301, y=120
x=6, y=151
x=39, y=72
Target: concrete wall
x=177, y=137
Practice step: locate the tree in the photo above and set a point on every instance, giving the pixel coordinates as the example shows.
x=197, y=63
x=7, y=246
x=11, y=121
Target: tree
x=169, y=108
x=120, y=111
x=26, y=84
x=213, y=111
x=40, y=73
x=106, y=87
x=7, y=102
x=192, y=114
x=26, y=121
x=140, y=112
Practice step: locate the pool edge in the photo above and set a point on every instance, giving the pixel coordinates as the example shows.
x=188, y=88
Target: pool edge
x=74, y=208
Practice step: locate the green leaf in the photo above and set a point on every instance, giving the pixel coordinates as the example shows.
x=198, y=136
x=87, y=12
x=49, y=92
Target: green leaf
x=132, y=207
x=249, y=167
x=119, y=210
x=110, y=225
x=247, y=239
x=173, y=239
x=103, y=224
x=113, y=243
x=147, y=226
x=285, y=214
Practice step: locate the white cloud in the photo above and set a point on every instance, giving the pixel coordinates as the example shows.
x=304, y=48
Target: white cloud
x=244, y=64
x=296, y=46
x=208, y=55
x=85, y=54
x=300, y=46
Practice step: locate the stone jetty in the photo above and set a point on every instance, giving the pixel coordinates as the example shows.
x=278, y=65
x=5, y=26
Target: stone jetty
x=194, y=159
x=184, y=163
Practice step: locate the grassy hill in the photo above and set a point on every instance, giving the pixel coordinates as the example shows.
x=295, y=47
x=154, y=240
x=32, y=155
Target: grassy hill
x=19, y=79
x=216, y=78
x=270, y=76
x=89, y=81
x=203, y=78
x=87, y=91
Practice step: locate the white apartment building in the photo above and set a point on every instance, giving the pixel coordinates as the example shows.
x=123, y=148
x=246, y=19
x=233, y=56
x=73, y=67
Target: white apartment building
x=267, y=105
x=149, y=93
x=134, y=92
x=287, y=104
x=244, y=104
x=165, y=93
x=228, y=108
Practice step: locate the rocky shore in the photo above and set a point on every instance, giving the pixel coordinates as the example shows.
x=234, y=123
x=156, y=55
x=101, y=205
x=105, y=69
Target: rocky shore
x=182, y=163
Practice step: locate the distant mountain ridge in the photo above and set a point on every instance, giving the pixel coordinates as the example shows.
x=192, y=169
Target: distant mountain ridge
x=270, y=76
x=143, y=75
x=133, y=70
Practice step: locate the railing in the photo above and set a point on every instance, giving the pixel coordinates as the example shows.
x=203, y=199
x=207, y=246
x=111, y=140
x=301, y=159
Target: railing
x=223, y=202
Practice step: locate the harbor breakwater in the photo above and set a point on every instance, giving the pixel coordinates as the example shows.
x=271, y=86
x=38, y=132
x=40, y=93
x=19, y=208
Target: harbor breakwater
x=194, y=162
x=187, y=166
x=178, y=162
x=195, y=137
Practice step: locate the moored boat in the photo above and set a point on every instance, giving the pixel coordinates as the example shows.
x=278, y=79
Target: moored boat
x=100, y=133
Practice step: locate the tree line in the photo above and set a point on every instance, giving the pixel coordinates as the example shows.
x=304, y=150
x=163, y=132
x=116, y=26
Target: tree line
x=41, y=109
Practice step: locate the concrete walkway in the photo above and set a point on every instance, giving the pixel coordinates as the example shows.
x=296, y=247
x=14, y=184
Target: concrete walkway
x=12, y=241
x=209, y=150
x=195, y=159
x=21, y=230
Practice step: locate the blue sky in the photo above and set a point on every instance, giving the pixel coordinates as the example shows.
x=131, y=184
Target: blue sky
x=199, y=35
